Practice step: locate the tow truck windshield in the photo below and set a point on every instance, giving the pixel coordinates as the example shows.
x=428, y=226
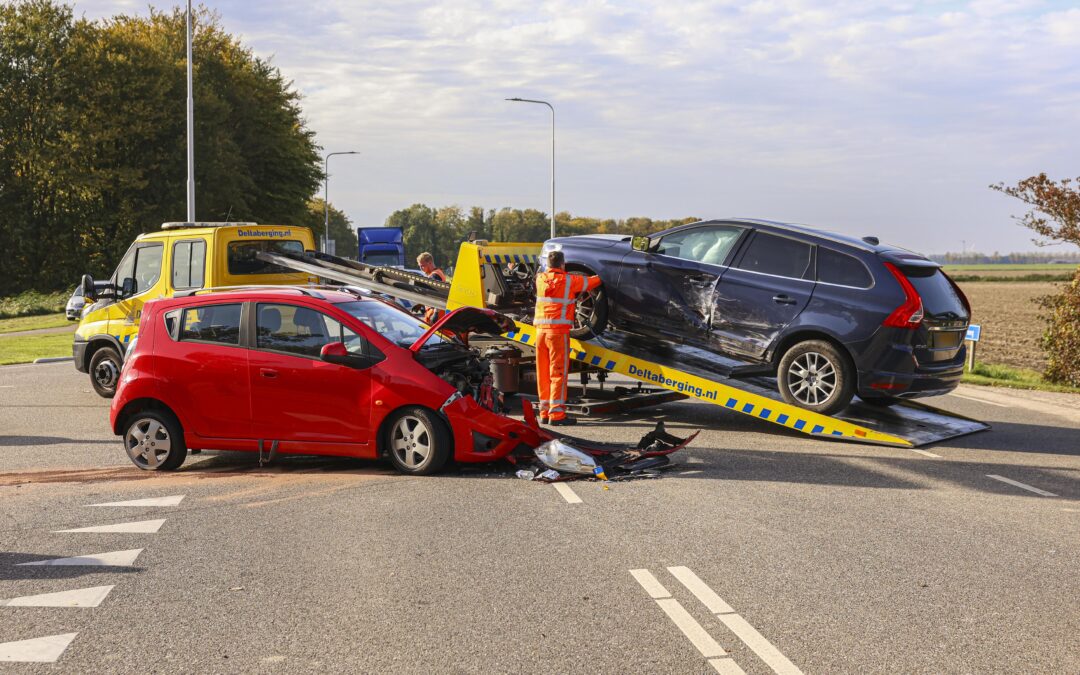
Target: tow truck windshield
x=395, y=325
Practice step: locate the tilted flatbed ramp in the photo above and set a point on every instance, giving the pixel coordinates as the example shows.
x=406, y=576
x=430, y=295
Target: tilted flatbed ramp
x=479, y=281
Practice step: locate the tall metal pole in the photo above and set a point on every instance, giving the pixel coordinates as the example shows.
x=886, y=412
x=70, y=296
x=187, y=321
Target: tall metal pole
x=552, y=108
x=326, y=196
x=190, y=128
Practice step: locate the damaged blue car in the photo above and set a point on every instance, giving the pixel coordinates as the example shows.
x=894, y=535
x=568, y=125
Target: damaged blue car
x=830, y=316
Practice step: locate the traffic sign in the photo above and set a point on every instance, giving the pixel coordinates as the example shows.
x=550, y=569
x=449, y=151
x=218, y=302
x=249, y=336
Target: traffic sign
x=973, y=332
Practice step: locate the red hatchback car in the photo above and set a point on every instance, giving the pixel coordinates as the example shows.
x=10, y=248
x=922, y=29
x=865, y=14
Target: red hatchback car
x=308, y=371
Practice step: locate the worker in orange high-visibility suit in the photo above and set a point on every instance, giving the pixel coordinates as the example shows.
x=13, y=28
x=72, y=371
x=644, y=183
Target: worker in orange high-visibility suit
x=427, y=265
x=556, y=303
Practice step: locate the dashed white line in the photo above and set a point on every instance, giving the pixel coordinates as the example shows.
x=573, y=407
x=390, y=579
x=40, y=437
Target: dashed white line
x=924, y=452
x=653, y=587
x=979, y=400
x=1023, y=486
x=140, y=527
x=726, y=666
x=110, y=559
x=689, y=626
x=37, y=650
x=719, y=659
x=689, y=473
x=735, y=623
x=82, y=597
x=569, y=495
x=713, y=602
x=760, y=646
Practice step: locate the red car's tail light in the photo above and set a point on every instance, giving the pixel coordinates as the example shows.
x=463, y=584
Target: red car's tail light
x=909, y=314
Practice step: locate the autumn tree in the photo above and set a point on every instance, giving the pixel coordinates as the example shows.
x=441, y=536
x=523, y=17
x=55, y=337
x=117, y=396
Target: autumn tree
x=1055, y=218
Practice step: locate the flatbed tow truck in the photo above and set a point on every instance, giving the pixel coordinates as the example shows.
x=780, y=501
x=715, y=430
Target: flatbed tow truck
x=499, y=276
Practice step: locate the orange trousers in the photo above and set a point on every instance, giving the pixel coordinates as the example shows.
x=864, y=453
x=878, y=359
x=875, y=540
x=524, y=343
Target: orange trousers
x=552, y=364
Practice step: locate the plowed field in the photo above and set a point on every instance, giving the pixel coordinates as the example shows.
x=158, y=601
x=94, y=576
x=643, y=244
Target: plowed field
x=1010, y=320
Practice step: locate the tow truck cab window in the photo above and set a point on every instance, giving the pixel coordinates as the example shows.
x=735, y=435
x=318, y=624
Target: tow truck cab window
x=841, y=269
x=242, y=260
x=142, y=264
x=302, y=331
x=219, y=324
x=188, y=264
x=778, y=256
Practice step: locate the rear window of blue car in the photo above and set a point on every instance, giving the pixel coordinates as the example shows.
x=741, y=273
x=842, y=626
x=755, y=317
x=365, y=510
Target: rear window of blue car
x=938, y=295
x=842, y=269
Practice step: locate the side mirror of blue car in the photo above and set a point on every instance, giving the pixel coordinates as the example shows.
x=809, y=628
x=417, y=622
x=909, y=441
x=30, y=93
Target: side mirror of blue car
x=640, y=244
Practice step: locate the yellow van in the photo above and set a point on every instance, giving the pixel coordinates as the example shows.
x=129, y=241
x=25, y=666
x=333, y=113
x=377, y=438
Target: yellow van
x=180, y=257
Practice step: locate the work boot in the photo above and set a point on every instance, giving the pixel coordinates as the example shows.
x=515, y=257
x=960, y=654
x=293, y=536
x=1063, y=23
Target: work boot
x=543, y=419
x=564, y=422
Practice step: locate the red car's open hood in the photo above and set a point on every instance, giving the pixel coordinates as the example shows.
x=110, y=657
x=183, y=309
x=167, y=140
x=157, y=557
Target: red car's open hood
x=465, y=321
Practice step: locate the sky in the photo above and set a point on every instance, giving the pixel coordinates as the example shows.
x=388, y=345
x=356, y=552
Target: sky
x=868, y=117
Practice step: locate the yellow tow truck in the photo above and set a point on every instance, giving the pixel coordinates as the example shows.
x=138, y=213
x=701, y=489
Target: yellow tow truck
x=179, y=257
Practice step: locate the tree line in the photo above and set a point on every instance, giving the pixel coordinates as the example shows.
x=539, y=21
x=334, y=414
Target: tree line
x=440, y=230
x=93, y=142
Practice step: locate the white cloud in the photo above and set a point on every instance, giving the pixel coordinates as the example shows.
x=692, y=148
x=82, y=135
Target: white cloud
x=881, y=115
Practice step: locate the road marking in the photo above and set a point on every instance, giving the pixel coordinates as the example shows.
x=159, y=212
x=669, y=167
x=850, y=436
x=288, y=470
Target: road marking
x=1020, y=485
x=760, y=646
x=7, y=386
x=694, y=460
x=83, y=597
x=688, y=473
x=765, y=650
x=701, y=590
x=924, y=452
x=37, y=650
x=110, y=559
x=689, y=626
x=1072, y=510
x=153, y=501
x=726, y=666
x=653, y=587
x=140, y=527
x=719, y=659
x=979, y=400
x=569, y=495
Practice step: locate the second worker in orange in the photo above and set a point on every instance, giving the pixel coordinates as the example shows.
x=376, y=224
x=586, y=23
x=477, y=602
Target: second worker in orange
x=556, y=304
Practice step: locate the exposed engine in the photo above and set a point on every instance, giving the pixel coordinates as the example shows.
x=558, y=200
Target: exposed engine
x=464, y=369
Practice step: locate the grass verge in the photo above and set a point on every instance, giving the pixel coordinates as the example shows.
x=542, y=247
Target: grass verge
x=26, y=348
x=1015, y=378
x=34, y=323
x=33, y=303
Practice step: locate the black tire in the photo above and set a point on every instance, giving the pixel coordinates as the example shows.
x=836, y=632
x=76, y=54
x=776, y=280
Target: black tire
x=417, y=441
x=823, y=377
x=154, y=441
x=105, y=367
x=592, y=315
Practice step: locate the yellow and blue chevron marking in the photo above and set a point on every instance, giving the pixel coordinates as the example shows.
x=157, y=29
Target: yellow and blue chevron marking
x=711, y=391
x=507, y=258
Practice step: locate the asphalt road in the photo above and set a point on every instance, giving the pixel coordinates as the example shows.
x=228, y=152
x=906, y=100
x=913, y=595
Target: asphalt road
x=764, y=550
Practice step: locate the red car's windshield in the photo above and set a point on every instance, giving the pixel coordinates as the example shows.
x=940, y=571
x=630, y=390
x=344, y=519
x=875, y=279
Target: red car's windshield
x=396, y=325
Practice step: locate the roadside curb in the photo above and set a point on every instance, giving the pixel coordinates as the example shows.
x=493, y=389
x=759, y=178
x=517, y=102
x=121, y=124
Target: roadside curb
x=54, y=359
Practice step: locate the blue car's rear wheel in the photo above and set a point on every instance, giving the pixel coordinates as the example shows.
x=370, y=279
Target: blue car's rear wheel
x=817, y=376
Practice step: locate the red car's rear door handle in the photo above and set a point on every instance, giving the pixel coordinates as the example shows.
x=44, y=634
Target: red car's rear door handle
x=267, y=372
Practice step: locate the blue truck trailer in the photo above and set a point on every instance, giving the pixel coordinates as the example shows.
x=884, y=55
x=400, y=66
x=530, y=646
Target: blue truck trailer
x=381, y=246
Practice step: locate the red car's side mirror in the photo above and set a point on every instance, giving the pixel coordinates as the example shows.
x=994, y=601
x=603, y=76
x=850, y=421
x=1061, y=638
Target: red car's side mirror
x=333, y=349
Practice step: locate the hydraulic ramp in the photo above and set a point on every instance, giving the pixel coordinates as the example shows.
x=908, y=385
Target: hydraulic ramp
x=498, y=276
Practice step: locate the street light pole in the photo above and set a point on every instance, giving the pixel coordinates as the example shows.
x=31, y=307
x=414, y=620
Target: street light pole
x=326, y=195
x=552, y=108
x=190, y=129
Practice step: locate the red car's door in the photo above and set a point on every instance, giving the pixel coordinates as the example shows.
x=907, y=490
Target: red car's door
x=202, y=368
x=308, y=405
